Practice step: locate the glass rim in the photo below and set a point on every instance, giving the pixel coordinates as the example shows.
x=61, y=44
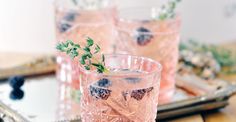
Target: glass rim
x=134, y=9
x=85, y=23
x=157, y=70
x=175, y=20
x=62, y=7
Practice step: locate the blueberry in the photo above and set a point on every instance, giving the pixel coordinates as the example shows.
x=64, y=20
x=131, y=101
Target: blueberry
x=16, y=94
x=99, y=93
x=63, y=27
x=143, y=36
x=139, y=94
x=133, y=80
x=104, y=82
x=70, y=16
x=16, y=81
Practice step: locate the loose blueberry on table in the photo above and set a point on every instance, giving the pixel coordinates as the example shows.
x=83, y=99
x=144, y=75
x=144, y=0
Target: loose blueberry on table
x=143, y=36
x=16, y=94
x=16, y=81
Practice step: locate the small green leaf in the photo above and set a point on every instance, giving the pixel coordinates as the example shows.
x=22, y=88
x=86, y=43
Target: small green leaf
x=60, y=47
x=97, y=49
x=100, y=68
x=87, y=49
x=77, y=46
x=70, y=42
x=96, y=65
x=84, y=57
x=74, y=49
x=89, y=42
x=75, y=53
x=87, y=67
x=82, y=61
x=65, y=44
x=68, y=52
x=89, y=55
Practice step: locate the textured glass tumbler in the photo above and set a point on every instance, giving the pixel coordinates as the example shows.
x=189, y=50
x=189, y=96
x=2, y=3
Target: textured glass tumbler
x=128, y=93
x=76, y=22
x=143, y=35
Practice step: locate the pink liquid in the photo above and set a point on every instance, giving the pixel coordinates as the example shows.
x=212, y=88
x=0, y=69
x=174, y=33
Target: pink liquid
x=123, y=100
x=68, y=102
x=77, y=25
x=161, y=44
x=128, y=93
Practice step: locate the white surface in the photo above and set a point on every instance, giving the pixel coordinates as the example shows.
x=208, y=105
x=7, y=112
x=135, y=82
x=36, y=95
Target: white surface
x=39, y=103
x=28, y=25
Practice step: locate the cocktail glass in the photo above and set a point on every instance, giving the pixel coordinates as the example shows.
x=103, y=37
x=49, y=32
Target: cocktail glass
x=140, y=33
x=80, y=19
x=128, y=93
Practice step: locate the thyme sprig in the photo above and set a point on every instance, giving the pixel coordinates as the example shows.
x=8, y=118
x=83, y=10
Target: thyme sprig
x=168, y=10
x=86, y=54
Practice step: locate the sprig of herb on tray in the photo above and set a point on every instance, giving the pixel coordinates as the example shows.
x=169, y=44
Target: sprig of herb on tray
x=86, y=54
x=222, y=55
x=226, y=58
x=168, y=10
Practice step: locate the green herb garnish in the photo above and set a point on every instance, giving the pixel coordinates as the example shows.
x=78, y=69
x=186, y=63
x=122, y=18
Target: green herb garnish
x=86, y=54
x=222, y=55
x=168, y=10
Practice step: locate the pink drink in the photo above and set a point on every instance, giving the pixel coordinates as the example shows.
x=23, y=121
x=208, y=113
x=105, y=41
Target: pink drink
x=74, y=23
x=154, y=39
x=68, y=106
x=128, y=93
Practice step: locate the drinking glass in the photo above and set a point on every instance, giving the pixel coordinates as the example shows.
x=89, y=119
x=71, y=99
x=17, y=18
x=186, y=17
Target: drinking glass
x=77, y=20
x=127, y=93
x=140, y=33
